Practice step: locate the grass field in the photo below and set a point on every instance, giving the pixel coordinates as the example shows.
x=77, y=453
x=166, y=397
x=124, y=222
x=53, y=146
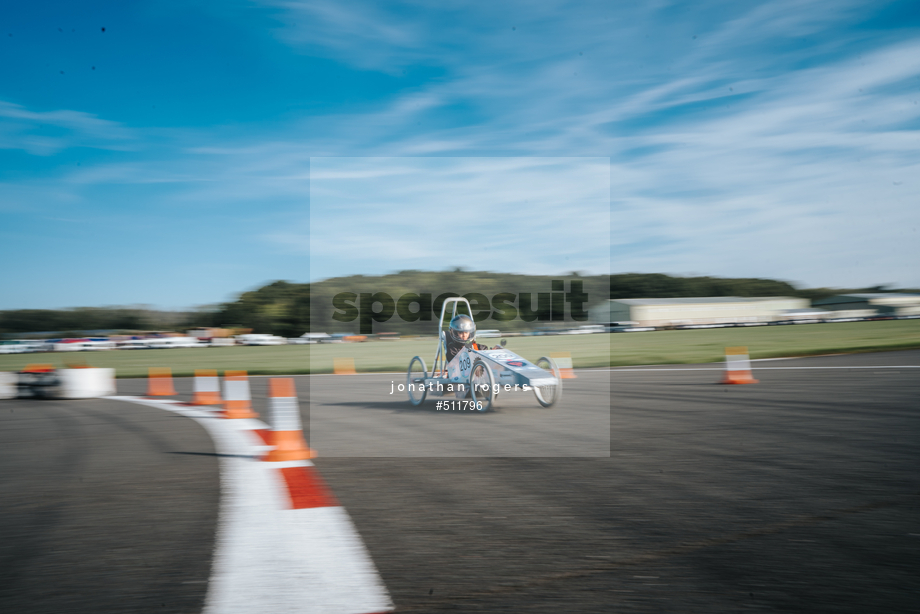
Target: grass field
x=599, y=350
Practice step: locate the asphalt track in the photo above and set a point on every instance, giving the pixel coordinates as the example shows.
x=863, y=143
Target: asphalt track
x=799, y=493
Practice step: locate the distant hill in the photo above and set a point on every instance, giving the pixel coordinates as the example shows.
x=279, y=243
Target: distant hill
x=74, y=322
x=284, y=308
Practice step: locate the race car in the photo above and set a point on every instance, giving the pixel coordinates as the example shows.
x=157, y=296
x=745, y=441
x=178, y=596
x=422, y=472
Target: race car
x=480, y=374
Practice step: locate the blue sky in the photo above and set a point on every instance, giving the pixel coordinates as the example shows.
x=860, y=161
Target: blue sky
x=167, y=159
x=533, y=215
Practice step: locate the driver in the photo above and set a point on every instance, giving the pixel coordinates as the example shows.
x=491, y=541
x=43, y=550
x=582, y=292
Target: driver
x=461, y=333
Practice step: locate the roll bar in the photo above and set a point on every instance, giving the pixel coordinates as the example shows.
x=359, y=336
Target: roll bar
x=454, y=302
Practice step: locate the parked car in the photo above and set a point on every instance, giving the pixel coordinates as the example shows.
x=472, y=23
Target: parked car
x=310, y=338
x=261, y=339
x=174, y=342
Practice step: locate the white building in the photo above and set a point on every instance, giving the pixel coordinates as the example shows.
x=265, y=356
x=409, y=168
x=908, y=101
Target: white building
x=684, y=311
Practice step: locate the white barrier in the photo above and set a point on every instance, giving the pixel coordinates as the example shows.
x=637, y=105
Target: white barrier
x=8, y=384
x=85, y=383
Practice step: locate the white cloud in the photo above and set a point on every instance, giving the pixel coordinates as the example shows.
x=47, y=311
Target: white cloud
x=19, y=127
x=515, y=214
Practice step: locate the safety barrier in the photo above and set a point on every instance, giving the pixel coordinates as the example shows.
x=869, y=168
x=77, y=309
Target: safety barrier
x=238, y=403
x=287, y=431
x=159, y=382
x=343, y=366
x=563, y=360
x=738, y=366
x=207, y=387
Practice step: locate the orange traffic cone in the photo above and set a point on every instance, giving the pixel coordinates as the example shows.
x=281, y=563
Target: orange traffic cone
x=287, y=430
x=236, y=392
x=159, y=382
x=563, y=360
x=343, y=366
x=207, y=387
x=738, y=366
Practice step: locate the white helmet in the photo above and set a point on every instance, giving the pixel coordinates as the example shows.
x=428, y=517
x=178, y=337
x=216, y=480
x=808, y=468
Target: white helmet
x=462, y=324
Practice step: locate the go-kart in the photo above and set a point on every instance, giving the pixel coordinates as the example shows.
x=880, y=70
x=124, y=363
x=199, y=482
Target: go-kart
x=38, y=382
x=479, y=374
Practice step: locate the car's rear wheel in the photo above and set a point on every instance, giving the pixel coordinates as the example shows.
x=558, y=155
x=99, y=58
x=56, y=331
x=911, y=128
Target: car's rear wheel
x=548, y=395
